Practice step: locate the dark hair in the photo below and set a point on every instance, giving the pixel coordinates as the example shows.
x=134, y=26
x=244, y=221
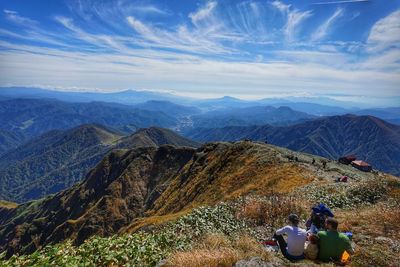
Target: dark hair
x=332, y=222
x=293, y=218
x=318, y=220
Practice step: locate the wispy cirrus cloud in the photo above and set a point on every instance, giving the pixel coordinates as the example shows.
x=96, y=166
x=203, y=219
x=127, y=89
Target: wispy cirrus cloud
x=151, y=9
x=182, y=39
x=191, y=75
x=323, y=30
x=16, y=18
x=294, y=20
x=203, y=14
x=339, y=2
x=280, y=6
x=100, y=40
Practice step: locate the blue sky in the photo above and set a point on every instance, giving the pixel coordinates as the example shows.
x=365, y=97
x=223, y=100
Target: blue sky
x=348, y=49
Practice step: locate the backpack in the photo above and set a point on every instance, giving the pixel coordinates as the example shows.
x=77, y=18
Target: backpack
x=322, y=209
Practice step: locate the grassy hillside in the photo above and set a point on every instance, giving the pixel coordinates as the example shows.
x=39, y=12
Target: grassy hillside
x=232, y=232
x=142, y=189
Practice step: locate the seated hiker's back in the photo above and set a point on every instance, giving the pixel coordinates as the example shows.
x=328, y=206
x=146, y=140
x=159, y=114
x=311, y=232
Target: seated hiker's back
x=332, y=244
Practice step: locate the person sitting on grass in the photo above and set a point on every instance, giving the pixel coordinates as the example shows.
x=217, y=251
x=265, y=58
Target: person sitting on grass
x=293, y=249
x=332, y=244
x=316, y=222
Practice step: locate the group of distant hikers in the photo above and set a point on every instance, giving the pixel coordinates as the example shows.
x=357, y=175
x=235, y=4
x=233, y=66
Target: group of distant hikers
x=320, y=241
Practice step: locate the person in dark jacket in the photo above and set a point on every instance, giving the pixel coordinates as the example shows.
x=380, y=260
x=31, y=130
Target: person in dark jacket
x=316, y=222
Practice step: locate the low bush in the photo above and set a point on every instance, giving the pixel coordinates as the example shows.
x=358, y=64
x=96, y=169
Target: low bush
x=346, y=195
x=271, y=211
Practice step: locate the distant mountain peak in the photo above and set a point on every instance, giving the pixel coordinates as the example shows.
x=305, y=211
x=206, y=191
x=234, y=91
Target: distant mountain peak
x=156, y=136
x=94, y=132
x=227, y=97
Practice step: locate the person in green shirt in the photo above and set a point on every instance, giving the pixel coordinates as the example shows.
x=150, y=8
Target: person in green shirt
x=332, y=244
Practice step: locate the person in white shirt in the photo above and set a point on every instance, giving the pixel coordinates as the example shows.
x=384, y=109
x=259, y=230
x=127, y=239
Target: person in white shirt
x=293, y=248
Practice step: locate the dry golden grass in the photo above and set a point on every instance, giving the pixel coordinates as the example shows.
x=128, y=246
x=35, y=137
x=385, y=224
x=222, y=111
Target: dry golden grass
x=376, y=231
x=377, y=220
x=204, y=257
x=242, y=169
x=248, y=247
x=215, y=241
x=219, y=251
x=153, y=220
x=374, y=256
x=272, y=210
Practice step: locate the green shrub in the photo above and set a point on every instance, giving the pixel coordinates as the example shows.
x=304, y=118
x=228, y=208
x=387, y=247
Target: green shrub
x=138, y=249
x=346, y=195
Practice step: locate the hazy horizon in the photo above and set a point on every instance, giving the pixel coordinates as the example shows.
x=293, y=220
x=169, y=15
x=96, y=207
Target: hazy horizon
x=360, y=102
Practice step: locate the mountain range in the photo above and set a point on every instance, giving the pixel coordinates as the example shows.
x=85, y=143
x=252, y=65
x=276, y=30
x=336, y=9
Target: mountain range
x=60, y=158
x=24, y=119
x=254, y=115
x=168, y=108
x=318, y=106
x=371, y=139
x=128, y=97
x=32, y=117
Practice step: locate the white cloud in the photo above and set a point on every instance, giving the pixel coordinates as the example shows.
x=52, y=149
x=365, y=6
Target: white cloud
x=385, y=61
x=202, y=14
x=150, y=9
x=10, y=12
x=259, y=58
x=145, y=31
x=17, y=19
x=95, y=39
x=339, y=2
x=182, y=39
x=323, y=30
x=294, y=20
x=281, y=6
x=385, y=33
x=113, y=71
